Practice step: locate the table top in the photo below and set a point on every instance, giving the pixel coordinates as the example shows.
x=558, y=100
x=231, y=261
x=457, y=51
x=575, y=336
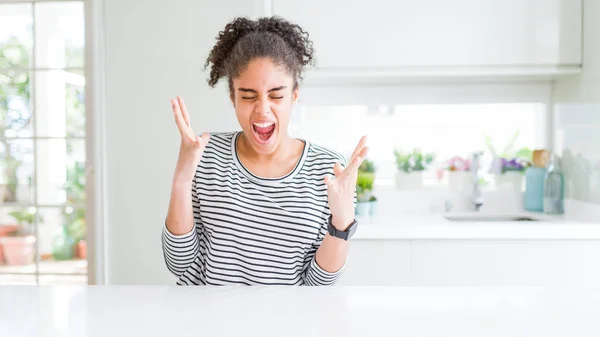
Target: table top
x=297, y=311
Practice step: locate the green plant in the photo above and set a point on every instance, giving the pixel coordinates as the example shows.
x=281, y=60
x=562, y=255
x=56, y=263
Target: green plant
x=25, y=217
x=509, y=151
x=413, y=161
x=14, y=115
x=364, y=186
x=367, y=166
x=75, y=189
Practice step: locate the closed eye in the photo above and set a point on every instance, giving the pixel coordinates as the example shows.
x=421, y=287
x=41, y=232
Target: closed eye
x=248, y=98
x=279, y=97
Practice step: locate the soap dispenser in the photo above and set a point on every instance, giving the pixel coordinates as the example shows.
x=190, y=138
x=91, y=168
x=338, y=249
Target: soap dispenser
x=535, y=175
x=554, y=187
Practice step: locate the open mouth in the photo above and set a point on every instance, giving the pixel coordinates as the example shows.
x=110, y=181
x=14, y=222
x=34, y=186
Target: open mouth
x=263, y=131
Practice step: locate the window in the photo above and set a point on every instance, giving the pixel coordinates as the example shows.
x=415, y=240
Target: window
x=42, y=143
x=446, y=130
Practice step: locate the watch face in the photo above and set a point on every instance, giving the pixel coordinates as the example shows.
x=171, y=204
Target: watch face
x=352, y=229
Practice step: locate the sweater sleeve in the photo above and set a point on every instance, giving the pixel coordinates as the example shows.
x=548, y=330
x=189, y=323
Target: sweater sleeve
x=180, y=251
x=317, y=276
x=314, y=275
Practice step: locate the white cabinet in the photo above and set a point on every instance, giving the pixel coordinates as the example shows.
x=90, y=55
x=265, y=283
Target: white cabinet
x=505, y=263
x=377, y=263
x=473, y=263
x=430, y=34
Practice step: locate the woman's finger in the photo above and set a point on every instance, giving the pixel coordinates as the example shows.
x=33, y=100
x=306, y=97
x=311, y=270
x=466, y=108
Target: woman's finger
x=328, y=181
x=352, y=169
x=186, y=116
x=178, y=117
x=359, y=147
x=337, y=169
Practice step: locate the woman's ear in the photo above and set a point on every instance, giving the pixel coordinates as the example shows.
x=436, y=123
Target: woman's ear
x=232, y=97
x=295, y=95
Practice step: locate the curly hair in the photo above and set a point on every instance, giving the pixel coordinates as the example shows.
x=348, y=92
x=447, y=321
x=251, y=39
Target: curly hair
x=242, y=40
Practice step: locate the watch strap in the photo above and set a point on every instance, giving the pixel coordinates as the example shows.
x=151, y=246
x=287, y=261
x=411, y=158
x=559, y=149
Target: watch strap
x=344, y=235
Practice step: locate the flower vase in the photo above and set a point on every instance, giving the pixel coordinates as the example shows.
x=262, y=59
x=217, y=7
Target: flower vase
x=510, y=179
x=409, y=180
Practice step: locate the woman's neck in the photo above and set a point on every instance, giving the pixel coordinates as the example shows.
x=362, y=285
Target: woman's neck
x=277, y=164
x=282, y=151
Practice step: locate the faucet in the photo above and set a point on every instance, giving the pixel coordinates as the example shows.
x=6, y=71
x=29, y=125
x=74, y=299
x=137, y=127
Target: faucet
x=476, y=194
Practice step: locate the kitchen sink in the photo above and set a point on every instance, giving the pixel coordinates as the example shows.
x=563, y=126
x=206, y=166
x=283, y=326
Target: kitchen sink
x=488, y=217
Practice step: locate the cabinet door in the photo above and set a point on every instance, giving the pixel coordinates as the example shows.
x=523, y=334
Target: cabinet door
x=505, y=263
x=430, y=33
x=377, y=263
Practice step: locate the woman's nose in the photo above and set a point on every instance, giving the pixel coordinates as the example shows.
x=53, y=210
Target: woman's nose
x=263, y=107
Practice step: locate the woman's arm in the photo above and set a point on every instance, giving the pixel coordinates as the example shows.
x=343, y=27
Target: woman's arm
x=180, y=242
x=331, y=256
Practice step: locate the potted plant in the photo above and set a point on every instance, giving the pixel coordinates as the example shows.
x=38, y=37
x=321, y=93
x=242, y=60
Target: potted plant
x=509, y=172
x=364, y=188
x=509, y=165
x=74, y=215
x=368, y=169
x=19, y=247
x=6, y=229
x=410, y=167
x=373, y=205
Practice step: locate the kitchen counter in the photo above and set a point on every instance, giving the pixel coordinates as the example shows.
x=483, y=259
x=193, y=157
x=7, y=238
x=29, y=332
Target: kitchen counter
x=117, y=311
x=410, y=226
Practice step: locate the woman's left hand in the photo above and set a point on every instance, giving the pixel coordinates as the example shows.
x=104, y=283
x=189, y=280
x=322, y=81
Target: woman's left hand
x=341, y=189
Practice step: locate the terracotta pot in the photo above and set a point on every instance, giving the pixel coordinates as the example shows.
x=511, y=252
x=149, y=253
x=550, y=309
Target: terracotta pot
x=4, y=231
x=18, y=250
x=82, y=249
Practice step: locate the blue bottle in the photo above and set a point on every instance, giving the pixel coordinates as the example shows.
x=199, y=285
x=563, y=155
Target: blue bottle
x=533, y=198
x=554, y=188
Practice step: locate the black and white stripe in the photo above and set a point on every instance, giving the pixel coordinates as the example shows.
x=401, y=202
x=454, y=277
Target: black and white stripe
x=251, y=230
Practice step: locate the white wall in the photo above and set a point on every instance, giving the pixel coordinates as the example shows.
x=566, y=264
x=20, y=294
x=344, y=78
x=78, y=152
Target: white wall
x=155, y=50
x=577, y=116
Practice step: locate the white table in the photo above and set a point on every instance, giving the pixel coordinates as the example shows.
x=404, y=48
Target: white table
x=117, y=311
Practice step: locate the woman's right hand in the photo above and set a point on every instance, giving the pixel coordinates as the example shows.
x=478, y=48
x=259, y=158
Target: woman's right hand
x=192, y=146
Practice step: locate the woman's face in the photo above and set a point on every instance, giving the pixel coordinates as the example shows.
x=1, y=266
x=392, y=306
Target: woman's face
x=263, y=96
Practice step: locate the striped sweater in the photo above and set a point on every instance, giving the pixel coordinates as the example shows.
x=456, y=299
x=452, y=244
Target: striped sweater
x=251, y=230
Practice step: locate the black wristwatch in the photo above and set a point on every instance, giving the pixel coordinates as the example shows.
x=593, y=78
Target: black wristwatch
x=344, y=235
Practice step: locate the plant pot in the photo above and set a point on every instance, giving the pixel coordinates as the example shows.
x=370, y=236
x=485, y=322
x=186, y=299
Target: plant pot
x=409, y=181
x=82, y=249
x=362, y=208
x=460, y=184
x=18, y=250
x=373, y=208
x=510, y=179
x=4, y=231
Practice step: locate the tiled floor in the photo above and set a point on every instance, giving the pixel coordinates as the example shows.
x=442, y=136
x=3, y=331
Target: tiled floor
x=52, y=272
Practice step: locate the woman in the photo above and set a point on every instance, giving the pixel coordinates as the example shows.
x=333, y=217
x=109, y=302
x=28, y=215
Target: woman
x=264, y=208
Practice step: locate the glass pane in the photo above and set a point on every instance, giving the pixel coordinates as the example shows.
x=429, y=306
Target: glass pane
x=16, y=166
x=60, y=168
x=16, y=279
x=63, y=279
x=59, y=34
x=444, y=130
x=16, y=35
x=15, y=104
x=60, y=103
x=61, y=236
